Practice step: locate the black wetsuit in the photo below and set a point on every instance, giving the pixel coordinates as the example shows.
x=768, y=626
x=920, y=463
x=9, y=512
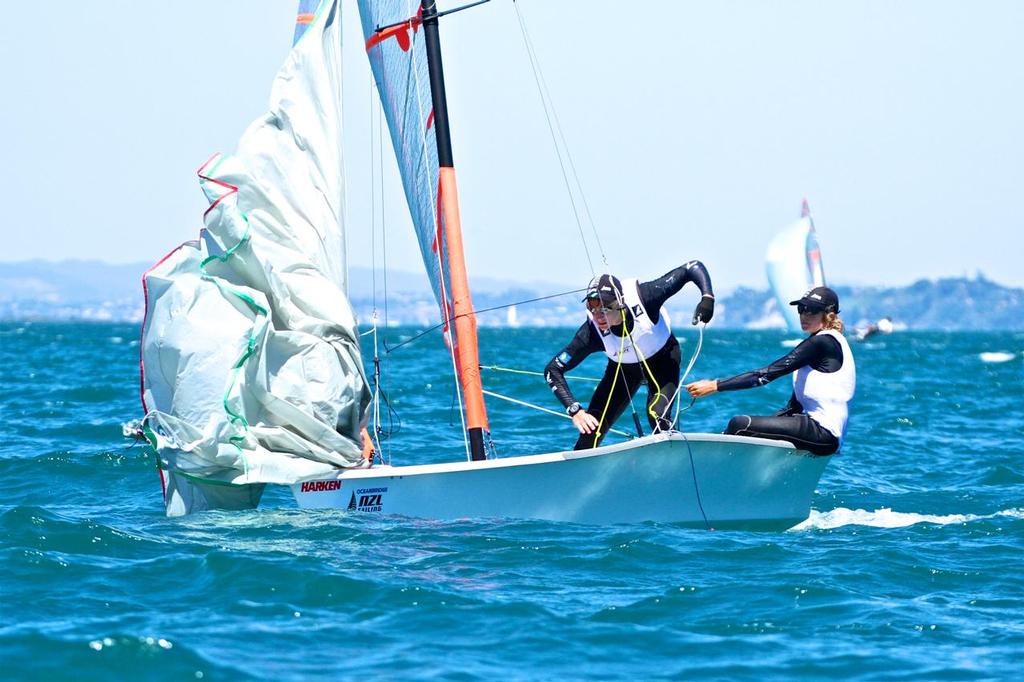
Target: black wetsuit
x=822, y=353
x=664, y=364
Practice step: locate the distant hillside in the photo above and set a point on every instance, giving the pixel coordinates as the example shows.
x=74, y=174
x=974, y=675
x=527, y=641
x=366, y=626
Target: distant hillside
x=91, y=290
x=71, y=290
x=946, y=304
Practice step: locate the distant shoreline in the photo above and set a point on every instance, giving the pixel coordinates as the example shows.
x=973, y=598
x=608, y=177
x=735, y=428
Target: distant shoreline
x=91, y=291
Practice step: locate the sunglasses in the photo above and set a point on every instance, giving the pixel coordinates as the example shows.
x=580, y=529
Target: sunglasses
x=606, y=308
x=809, y=309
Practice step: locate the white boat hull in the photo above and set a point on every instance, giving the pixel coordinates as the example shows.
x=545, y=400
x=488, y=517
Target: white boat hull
x=734, y=481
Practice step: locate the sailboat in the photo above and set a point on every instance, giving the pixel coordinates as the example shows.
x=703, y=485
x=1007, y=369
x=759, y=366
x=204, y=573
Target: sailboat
x=251, y=371
x=793, y=265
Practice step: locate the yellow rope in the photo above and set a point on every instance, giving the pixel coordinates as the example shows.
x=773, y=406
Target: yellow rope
x=643, y=361
x=618, y=368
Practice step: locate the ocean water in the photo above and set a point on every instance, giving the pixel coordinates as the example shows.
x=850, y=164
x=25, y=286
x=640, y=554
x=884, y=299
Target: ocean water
x=909, y=567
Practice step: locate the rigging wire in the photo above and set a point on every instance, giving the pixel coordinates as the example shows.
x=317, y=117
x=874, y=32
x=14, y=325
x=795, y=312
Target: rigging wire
x=373, y=204
x=387, y=424
x=380, y=434
x=555, y=128
x=549, y=411
x=678, y=397
x=476, y=312
x=495, y=368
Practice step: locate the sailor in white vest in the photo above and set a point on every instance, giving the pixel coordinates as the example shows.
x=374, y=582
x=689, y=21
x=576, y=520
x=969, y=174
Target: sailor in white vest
x=625, y=321
x=824, y=380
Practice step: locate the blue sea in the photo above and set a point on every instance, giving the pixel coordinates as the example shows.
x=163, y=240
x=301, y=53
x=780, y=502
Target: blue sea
x=909, y=568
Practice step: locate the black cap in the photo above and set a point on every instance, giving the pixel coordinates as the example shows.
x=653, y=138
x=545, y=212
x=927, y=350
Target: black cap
x=606, y=288
x=820, y=297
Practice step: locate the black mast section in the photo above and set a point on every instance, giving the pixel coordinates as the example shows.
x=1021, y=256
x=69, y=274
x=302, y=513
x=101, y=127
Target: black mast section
x=436, y=70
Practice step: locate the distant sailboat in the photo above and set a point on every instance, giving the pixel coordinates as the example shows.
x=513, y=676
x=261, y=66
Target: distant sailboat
x=793, y=264
x=512, y=317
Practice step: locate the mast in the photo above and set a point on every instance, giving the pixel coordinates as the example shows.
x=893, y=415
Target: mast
x=468, y=359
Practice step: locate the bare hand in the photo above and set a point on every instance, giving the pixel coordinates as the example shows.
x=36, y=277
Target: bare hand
x=585, y=422
x=699, y=389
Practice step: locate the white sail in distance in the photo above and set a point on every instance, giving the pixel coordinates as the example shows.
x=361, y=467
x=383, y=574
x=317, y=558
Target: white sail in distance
x=793, y=264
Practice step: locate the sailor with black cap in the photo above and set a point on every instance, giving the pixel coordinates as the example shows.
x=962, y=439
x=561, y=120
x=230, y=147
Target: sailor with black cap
x=824, y=381
x=625, y=320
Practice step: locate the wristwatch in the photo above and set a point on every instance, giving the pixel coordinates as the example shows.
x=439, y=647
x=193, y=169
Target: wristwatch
x=573, y=409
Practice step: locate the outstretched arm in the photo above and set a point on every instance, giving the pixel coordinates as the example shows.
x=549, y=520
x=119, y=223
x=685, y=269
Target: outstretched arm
x=656, y=292
x=820, y=351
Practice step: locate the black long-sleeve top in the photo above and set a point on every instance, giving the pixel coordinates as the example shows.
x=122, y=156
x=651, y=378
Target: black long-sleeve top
x=820, y=352
x=587, y=340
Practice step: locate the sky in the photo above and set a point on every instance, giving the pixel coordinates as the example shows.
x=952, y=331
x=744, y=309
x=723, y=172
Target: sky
x=696, y=129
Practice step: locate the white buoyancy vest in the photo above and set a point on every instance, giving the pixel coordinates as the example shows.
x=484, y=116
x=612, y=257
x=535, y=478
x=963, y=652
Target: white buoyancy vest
x=646, y=336
x=825, y=396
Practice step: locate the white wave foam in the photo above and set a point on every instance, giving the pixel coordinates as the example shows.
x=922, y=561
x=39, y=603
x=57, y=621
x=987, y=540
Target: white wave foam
x=791, y=343
x=887, y=518
x=996, y=357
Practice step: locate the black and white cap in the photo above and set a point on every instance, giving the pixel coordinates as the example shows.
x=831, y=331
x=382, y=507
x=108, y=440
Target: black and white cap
x=606, y=288
x=819, y=297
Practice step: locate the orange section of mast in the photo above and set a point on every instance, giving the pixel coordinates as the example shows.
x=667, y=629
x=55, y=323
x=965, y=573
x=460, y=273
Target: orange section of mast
x=465, y=318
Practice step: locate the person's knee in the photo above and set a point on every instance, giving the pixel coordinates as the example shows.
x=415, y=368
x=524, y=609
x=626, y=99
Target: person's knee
x=586, y=441
x=737, y=424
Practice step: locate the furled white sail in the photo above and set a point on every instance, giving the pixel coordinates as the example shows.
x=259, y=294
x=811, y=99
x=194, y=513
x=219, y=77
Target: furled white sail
x=793, y=264
x=251, y=366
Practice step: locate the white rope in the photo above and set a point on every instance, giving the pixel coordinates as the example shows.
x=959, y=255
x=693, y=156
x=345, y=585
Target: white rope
x=544, y=409
x=693, y=359
x=696, y=352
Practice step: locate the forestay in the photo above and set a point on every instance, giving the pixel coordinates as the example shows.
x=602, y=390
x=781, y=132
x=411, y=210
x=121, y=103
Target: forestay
x=251, y=366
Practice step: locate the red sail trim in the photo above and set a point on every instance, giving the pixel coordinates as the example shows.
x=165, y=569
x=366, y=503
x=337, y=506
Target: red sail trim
x=145, y=317
x=232, y=189
x=142, y=369
x=399, y=33
x=436, y=245
x=145, y=297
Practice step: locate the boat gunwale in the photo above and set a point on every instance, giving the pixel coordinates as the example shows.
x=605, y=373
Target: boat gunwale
x=381, y=471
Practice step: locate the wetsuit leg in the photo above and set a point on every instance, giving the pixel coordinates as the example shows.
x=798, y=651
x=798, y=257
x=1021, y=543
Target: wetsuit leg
x=798, y=429
x=664, y=366
x=616, y=399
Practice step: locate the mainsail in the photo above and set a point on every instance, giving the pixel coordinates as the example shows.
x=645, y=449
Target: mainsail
x=399, y=62
x=401, y=43
x=251, y=369
x=793, y=263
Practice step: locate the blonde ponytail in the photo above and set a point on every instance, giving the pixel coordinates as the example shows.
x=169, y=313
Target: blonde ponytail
x=833, y=322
